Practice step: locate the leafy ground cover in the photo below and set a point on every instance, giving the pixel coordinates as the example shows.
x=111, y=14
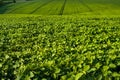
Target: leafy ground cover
x=59, y=47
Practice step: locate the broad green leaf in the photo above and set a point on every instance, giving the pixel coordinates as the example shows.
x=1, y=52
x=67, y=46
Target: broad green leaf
x=115, y=74
x=31, y=74
x=63, y=77
x=98, y=65
x=7, y=56
x=78, y=76
x=57, y=70
x=86, y=67
x=112, y=65
x=27, y=77
x=105, y=68
x=79, y=65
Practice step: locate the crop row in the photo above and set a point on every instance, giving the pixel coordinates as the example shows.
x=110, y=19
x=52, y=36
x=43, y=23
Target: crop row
x=64, y=7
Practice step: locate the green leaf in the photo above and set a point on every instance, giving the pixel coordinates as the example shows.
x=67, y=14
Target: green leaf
x=6, y=56
x=100, y=77
x=2, y=79
x=91, y=70
x=118, y=63
x=113, y=57
x=78, y=76
x=79, y=65
x=109, y=72
x=31, y=74
x=54, y=75
x=86, y=67
x=57, y=70
x=115, y=74
x=27, y=77
x=112, y=65
x=98, y=65
x=63, y=77
x=105, y=68
x=50, y=63
x=0, y=65
x=44, y=79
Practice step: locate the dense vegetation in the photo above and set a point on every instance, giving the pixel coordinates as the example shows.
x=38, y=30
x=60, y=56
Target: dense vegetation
x=59, y=47
x=1, y=2
x=77, y=40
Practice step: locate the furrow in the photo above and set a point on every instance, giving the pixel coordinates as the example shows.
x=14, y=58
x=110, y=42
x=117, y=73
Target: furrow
x=63, y=7
x=41, y=6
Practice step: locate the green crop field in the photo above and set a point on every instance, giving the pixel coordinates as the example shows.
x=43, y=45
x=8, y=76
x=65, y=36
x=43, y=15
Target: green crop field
x=60, y=40
x=64, y=7
x=59, y=47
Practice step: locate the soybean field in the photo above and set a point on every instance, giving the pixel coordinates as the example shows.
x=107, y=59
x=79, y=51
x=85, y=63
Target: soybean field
x=59, y=47
x=60, y=40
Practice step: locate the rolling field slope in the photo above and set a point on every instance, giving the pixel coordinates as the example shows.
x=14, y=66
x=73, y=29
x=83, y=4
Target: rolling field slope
x=64, y=7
